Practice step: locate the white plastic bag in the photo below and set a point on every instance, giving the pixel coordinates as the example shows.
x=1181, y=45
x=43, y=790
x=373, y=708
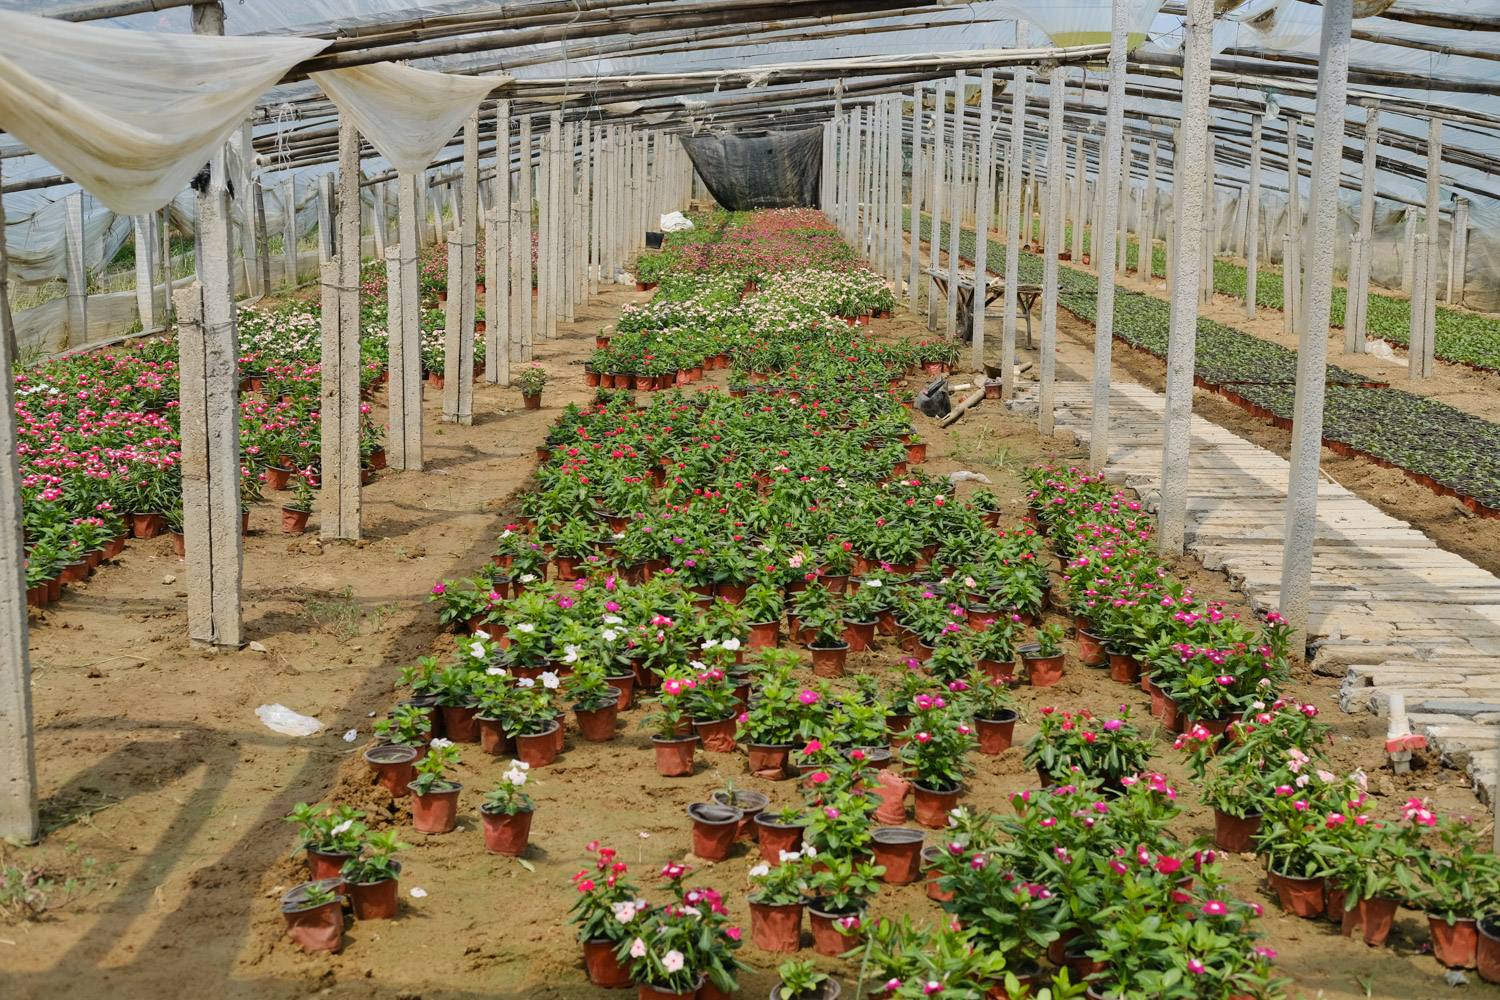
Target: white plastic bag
x=1382, y=350
x=280, y=719
x=965, y=476
x=676, y=222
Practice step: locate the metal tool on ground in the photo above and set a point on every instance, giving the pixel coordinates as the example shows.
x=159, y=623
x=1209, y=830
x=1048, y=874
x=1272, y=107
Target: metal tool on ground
x=933, y=399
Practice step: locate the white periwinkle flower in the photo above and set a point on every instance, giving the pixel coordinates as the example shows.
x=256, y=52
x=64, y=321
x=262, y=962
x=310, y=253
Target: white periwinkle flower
x=550, y=681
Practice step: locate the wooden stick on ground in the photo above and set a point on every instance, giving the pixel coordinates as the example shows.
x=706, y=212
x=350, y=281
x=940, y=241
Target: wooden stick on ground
x=970, y=400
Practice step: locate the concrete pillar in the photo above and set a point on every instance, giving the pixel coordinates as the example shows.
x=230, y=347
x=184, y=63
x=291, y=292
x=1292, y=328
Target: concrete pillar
x=521, y=241
x=209, y=377
x=1123, y=193
x=77, y=266
x=914, y=264
x=19, y=820
x=377, y=195
x=458, y=333
x=1291, y=263
x=939, y=168
x=262, y=239
x=1075, y=199
x=955, y=202
x=339, y=498
x=1312, y=348
x=245, y=202
x=1428, y=298
x=404, y=334
x=145, y=282
x=1145, y=262
x=1357, y=299
x=1109, y=178
x=557, y=224
x=544, y=226
x=1057, y=193
x=893, y=230
x=1013, y=218
x=289, y=230
x=1252, y=216
x=325, y=218
x=1187, y=199
x=982, y=215
x=499, y=290
x=1458, y=264
x=596, y=207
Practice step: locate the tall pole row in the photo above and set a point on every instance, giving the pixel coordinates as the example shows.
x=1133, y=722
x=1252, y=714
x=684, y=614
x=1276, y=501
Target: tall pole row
x=1104, y=320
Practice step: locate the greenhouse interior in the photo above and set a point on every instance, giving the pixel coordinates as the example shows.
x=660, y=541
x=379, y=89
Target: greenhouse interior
x=495, y=387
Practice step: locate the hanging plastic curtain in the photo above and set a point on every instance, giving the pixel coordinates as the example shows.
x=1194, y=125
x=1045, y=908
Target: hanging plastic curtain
x=408, y=114
x=1267, y=24
x=132, y=115
x=1082, y=22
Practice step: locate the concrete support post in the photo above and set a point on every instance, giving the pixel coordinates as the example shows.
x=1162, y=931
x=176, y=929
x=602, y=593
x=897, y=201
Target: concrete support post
x=458, y=334
x=1356, y=311
x=955, y=203
x=1428, y=298
x=893, y=230
x=289, y=230
x=377, y=195
x=545, y=225
x=1187, y=197
x=1409, y=238
x=1291, y=263
x=1075, y=201
x=914, y=264
x=596, y=208
x=522, y=241
x=325, y=218
x=1104, y=319
x=982, y=215
x=243, y=182
x=1210, y=227
x=1122, y=191
x=1146, y=259
x=939, y=168
x=18, y=789
x=145, y=278
x=1013, y=218
x=1458, y=263
x=1312, y=349
x=1057, y=193
x=499, y=292
x=77, y=268
x=1252, y=216
x=208, y=369
x=339, y=406
x=404, y=344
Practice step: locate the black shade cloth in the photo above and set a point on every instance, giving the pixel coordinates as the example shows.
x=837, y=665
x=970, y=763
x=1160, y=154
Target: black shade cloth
x=775, y=170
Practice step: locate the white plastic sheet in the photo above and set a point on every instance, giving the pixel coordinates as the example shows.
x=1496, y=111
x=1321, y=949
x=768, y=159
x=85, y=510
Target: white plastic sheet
x=408, y=114
x=280, y=719
x=131, y=115
x=675, y=222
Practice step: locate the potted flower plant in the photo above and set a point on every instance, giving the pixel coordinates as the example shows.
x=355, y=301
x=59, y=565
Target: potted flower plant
x=1044, y=658
x=1072, y=744
x=434, y=799
x=779, y=888
x=802, y=981
x=936, y=759
x=596, y=703
x=837, y=897
x=506, y=813
x=330, y=837
x=314, y=916
x=530, y=380
x=605, y=914
x=824, y=629
x=674, y=749
x=372, y=879
x=989, y=700
x=295, y=513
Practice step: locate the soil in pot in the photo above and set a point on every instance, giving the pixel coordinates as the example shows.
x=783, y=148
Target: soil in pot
x=828, y=936
x=776, y=837
x=506, y=834
x=674, y=757
x=717, y=735
x=376, y=900
x=436, y=811
x=715, y=829
x=750, y=804
x=1454, y=945
x=392, y=765
x=899, y=850
x=538, y=749
x=604, y=969
x=776, y=928
x=769, y=760
x=315, y=928
x=1301, y=897
x=598, y=725
x=933, y=805
x=1233, y=834
x=995, y=735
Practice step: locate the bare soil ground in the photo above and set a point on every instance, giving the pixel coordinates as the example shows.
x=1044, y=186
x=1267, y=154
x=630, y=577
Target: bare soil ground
x=152, y=760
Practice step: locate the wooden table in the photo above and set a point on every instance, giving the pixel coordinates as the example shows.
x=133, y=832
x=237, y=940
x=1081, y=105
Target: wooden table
x=1026, y=296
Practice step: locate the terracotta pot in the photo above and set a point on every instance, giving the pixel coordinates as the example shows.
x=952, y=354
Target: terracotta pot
x=769, y=760
x=776, y=837
x=828, y=989
x=674, y=758
x=717, y=735
x=277, y=476
x=625, y=684
x=995, y=734
x=1454, y=945
x=1091, y=649
x=1124, y=668
x=828, y=939
x=900, y=851
x=645, y=991
x=598, y=725
x=776, y=928
x=316, y=928
x=377, y=458
x=1231, y=833
x=1000, y=670
x=750, y=804
x=538, y=749
x=885, y=621
x=376, y=900
x=933, y=806
x=327, y=864
x=148, y=525
x=505, y=834
x=828, y=661
x=1045, y=671
x=859, y=635
x=1373, y=916
x=437, y=811
x=1170, y=717
x=836, y=583
x=458, y=721
x=604, y=969
x=732, y=592
x=1027, y=976
x=930, y=857
x=1080, y=966
x=715, y=828
x=392, y=765
x=1487, y=955
x=892, y=790
x=493, y=739
x=764, y=634
x=1333, y=902
x=1301, y=897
